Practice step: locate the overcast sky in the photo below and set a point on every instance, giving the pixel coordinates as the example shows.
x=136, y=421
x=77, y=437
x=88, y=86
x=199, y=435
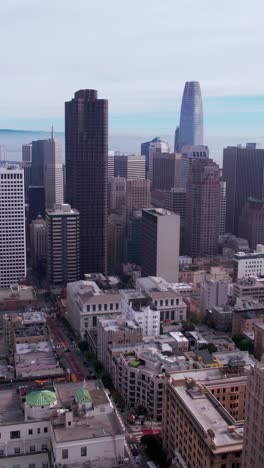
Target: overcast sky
x=138, y=54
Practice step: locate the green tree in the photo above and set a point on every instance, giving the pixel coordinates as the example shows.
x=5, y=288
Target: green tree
x=188, y=326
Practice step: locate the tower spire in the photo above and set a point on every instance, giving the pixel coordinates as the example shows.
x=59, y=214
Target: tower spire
x=52, y=132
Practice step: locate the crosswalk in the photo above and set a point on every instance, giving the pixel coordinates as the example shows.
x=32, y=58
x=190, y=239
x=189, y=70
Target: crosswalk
x=135, y=434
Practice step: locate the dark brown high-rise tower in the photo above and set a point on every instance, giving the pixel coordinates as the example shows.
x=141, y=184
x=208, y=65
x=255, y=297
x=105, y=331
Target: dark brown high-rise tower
x=204, y=208
x=86, y=150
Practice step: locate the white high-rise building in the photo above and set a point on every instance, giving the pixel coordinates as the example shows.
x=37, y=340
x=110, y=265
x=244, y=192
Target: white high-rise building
x=53, y=174
x=12, y=226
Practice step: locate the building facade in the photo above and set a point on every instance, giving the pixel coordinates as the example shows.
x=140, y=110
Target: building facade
x=243, y=170
x=253, y=440
x=251, y=222
x=38, y=240
x=190, y=131
x=160, y=244
x=130, y=166
x=86, y=302
x=137, y=195
x=249, y=264
x=86, y=156
x=63, y=235
x=12, y=226
x=53, y=175
x=149, y=148
x=203, y=202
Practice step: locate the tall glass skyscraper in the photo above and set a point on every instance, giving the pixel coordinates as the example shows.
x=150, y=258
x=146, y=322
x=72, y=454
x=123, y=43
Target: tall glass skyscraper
x=190, y=131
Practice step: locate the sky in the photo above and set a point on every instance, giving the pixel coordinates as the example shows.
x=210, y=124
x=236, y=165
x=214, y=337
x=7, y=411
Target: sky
x=138, y=54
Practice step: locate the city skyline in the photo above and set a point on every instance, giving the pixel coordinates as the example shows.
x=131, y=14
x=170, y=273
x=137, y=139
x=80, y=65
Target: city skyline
x=129, y=72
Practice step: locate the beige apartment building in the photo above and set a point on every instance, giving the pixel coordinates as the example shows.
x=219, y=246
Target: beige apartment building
x=203, y=413
x=115, y=331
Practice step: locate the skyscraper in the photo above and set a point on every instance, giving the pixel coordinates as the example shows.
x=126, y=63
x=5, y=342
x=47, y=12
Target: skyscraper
x=47, y=169
x=190, y=131
x=251, y=222
x=203, y=207
x=243, y=171
x=160, y=244
x=149, y=148
x=12, y=226
x=63, y=230
x=86, y=154
x=26, y=165
x=130, y=166
x=53, y=175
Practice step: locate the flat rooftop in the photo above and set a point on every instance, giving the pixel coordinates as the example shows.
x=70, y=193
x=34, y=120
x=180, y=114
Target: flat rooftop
x=39, y=364
x=40, y=347
x=66, y=393
x=11, y=409
x=209, y=418
x=16, y=293
x=118, y=324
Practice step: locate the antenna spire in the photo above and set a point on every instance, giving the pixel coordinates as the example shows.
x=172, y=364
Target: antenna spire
x=52, y=133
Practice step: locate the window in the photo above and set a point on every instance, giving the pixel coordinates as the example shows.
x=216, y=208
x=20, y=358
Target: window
x=83, y=451
x=117, y=306
x=38, y=430
x=32, y=448
x=31, y=465
x=99, y=307
x=111, y=306
x=15, y=435
x=105, y=306
x=30, y=431
x=45, y=429
x=2, y=452
x=45, y=465
x=88, y=308
x=94, y=307
x=64, y=454
x=15, y=466
x=17, y=450
x=94, y=322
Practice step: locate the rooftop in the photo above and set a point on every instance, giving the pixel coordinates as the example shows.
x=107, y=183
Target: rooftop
x=86, y=290
x=210, y=420
x=18, y=292
x=118, y=324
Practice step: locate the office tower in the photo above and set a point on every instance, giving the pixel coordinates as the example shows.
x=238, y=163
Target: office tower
x=86, y=151
x=253, y=456
x=137, y=195
x=63, y=228
x=38, y=240
x=53, y=175
x=111, y=165
x=149, y=148
x=36, y=202
x=167, y=169
x=131, y=166
x=203, y=202
x=160, y=244
x=37, y=167
x=47, y=169
x=64, y=180
x=134, y=239
x=116, y=242
x=26, y=166
x=176, y=139
x=251, y=222
x=118, y=194
x=222, y=207
x=191, y=119
x=12, y=226
x=243, y=169
x=175, y=201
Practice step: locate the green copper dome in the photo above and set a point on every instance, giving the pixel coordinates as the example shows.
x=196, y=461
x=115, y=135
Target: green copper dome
x=82, y=395
x=41, y=398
